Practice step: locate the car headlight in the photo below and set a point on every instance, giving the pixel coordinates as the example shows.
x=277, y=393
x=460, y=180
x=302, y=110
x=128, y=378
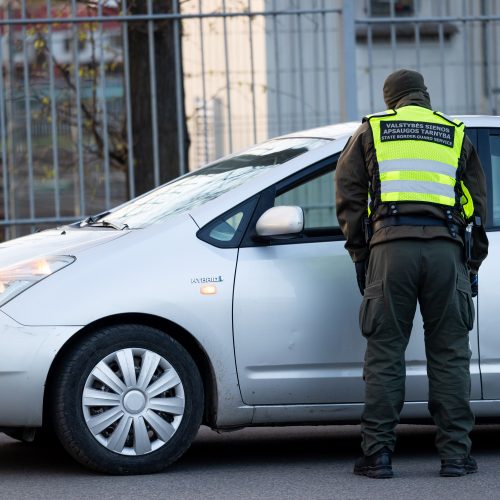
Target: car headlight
x=19, y=277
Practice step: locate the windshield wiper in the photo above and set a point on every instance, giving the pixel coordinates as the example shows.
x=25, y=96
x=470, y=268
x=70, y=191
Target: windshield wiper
x=98, y=221
x=107, y=223
x=92, y=219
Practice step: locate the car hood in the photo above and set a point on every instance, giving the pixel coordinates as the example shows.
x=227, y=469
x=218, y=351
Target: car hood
x=61, y=241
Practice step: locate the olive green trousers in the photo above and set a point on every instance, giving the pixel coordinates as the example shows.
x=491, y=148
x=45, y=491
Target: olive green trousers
x=400, y=273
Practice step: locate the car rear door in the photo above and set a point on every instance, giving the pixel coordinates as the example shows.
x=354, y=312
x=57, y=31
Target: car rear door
x=489, y=292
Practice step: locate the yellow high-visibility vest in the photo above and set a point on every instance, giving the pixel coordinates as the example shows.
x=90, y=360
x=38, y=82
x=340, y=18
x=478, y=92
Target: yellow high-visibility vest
x=417, y=152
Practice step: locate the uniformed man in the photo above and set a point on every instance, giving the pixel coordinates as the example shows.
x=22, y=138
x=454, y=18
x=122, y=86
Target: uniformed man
x=410, y=191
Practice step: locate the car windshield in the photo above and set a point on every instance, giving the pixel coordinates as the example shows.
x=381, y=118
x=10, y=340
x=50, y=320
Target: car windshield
x=205, y=184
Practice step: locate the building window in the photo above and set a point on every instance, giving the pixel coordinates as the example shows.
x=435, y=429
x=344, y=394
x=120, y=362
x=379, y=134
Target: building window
x=377, y=31
x=382, y=8
x=68, y=44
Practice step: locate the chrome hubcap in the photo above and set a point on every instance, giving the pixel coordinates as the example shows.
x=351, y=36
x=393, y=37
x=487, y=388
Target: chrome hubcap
x=133, y=401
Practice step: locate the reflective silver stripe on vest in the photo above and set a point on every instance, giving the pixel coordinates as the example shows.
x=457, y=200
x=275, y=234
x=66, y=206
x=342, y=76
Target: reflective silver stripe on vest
x=417, y=187
x=436, y=167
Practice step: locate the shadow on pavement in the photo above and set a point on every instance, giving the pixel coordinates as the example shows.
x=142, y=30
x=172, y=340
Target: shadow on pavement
x=251, y=447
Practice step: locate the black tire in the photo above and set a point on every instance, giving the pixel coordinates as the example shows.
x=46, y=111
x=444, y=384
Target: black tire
x=68, y=385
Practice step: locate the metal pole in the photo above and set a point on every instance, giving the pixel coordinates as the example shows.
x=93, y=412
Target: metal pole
x=291, y=124
x=252, y=71
x=154, y=110
x=393, y=35
x=128, y=106
x=27, y=93
x=203, y=83
x=316, y=33
x=277, y=69
x=5, y=170
x=228, y=87
x=104, y=111
x=301, y=74
x=417, y=44
x=169, y=16
x=325, y=64
x=370, y=59
x=467, y=70
x=53, y=116
x=178, y=91
x=11, y=120
x=347, y=66
x=78, y=96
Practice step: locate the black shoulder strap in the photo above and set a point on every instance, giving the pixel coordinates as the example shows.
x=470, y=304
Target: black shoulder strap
x=448, y=119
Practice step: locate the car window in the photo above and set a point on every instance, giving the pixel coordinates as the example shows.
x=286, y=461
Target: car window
x=226, y=229
x=317, y=198
x=495, y=176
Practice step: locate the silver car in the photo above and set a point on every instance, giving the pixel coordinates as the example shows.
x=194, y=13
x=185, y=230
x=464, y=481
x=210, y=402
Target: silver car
x=224, y=297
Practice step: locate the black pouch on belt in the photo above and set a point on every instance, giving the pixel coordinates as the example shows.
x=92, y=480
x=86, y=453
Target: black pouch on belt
x=468, y=243
x=367, y=227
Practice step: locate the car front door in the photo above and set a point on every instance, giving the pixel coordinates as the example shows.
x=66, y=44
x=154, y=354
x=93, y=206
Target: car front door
x=296, y=304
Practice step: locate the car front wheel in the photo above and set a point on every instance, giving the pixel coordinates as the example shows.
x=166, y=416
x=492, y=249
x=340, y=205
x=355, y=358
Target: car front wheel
x=127, y=399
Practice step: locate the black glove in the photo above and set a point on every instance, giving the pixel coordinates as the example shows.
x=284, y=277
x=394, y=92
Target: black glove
x=474, y=283
x=361, y=268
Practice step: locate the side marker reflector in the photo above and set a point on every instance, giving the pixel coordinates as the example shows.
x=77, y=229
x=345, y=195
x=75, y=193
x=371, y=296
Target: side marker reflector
x=208, y=290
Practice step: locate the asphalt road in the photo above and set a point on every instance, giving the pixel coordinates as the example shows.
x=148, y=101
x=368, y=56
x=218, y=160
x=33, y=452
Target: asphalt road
x=265, y=463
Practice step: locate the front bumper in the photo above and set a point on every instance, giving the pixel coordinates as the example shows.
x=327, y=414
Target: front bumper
x=26, y=355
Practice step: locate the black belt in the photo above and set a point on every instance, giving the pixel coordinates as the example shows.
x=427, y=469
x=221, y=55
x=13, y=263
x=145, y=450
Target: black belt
x=414, y=220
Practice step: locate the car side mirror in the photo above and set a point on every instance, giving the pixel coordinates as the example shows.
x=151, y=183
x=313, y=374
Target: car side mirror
x=281, y=221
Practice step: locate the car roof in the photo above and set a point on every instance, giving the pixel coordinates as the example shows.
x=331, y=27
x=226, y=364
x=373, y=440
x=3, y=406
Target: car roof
x=346, y=129
x=336, y=135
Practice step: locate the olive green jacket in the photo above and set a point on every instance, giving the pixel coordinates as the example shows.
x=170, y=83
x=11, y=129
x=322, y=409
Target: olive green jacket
x=356, y=167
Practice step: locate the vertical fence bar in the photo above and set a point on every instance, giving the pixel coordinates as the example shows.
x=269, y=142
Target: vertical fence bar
x=291, y=122
x=277, y=72
x=128, y=105
x=53, y=116
x=203, y=81
x=315, y=35
x=5, y=170
x=393, y=34
x=11, y=113
x=104, y=110
x=301, y=73
x=417, y=45
x=27, y=93
x=467, y=71
x=181, y=140
x=472, y=48
x=490, y=61
x=490, y=65
x=442, y=58
x=485, y=52
x=78, y=97
x=154, y=110
x=252, y=70
x=228, y=85
x=370, y=57
x=325, y=62
x=442, y=55
x=349, y=61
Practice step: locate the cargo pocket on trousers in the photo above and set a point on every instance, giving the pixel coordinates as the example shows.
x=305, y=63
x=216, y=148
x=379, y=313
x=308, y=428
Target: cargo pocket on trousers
x=466, y=304
x=369, y=312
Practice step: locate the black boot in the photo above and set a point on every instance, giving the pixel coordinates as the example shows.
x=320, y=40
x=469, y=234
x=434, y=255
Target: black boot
x=377, y=466
x=454, y=467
